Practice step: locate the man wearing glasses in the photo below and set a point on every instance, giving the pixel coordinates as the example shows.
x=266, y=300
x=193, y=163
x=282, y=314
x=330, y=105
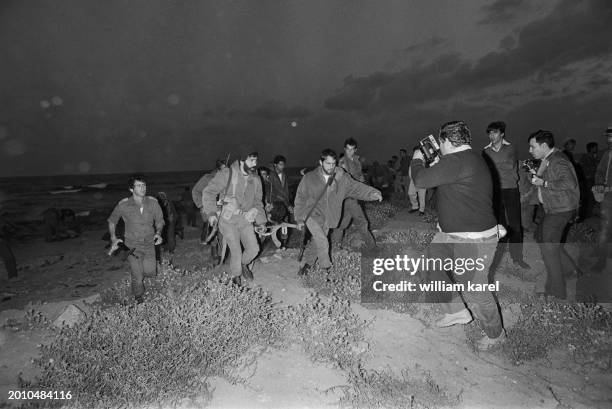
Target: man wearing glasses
x=144, y=222
x=318, y=205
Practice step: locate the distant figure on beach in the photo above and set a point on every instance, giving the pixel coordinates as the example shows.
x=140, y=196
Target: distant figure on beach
x=170, y=219
x=467, y=227
x=5, y=249
x=51, y=224
x=502, y=159
x=144, y=223
x=318, y=205
x=240, y=193
x=189, y=208
x=588, y=163
x=351, y=209
x=558, y=191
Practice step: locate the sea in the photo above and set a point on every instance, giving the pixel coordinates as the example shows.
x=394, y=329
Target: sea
x=93, y=197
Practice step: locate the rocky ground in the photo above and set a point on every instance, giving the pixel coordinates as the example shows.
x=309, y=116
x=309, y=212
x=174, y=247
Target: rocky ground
x=75, y=272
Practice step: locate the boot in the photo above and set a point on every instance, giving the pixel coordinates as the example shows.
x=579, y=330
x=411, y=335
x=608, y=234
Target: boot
x=247, y=273
x=304, y=270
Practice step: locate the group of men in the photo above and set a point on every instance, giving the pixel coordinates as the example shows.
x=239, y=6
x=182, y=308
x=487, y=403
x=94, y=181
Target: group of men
x=477, y=195
x=239, y=201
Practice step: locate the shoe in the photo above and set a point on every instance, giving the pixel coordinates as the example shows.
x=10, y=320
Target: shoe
x=485, y=343
x=304, y=270
x=247, y=273
x=139, y=299
x=522, y=264
x=461, y=317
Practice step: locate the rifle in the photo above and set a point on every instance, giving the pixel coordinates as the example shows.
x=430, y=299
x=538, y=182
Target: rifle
x=121, y=245
x=329, y=183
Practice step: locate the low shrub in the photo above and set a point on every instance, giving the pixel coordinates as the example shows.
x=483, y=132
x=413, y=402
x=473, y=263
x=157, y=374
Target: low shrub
x=384, y=389
x=162, y=350
x=584, y=330
x=329, y=331
x=343, y=280
x=379, y=213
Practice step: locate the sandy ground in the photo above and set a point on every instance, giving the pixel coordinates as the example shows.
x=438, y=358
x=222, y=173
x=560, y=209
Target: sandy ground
x=53, y=275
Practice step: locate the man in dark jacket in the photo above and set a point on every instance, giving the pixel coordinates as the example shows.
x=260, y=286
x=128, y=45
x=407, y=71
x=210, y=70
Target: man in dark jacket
x=559, y=193
x=323, y=190
x=467, y=226
x=278, y=197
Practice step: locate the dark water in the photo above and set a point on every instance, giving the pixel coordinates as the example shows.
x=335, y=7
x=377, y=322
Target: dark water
x=26, y=198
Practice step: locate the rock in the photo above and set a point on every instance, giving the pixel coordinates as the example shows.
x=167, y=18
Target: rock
x=70, y=316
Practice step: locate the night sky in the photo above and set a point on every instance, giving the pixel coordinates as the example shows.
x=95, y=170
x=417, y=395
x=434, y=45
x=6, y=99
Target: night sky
x=155, y=85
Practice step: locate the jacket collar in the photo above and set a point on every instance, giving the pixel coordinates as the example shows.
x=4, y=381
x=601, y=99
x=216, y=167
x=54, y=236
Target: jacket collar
x=504, y=142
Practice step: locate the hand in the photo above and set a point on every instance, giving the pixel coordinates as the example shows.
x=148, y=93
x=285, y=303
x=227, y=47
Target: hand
x=436, y=160
x=251, y=215
x=377, y=196
x=260, y=229
x=157, y=239
x=268, y=207
x=212, y=220
x=300, y=225
x=290, y=208
x=114, y=245
x=537, y=181
x=418, y=155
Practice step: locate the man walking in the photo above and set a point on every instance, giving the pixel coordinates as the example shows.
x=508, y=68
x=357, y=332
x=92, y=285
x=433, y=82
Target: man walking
x=144, y=223
x=417, y=195
x=351, y=210
x=318, y=205
x=467, y=226
x=603, y=185
x=559, y=193
x=278, y=197
x=239, y=190
x=503, y=163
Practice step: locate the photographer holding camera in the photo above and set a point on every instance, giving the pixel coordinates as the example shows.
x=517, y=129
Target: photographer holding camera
x=467, y=225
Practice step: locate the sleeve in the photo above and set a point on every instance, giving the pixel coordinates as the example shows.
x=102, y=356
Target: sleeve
x=116, y=214
x=212, y=190
x=441, y=173
x=158, y=216
x=301, y=200
x=564, y=177
x=600, y=173
x=261, y=213
x=358, y=190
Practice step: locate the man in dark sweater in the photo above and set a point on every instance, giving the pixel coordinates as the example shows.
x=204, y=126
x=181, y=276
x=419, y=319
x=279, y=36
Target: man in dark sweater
x=503, y=163
x=467, y=226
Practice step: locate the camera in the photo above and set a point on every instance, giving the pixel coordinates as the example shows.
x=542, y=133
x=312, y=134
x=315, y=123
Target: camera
x=430, y=148
x=531, y=165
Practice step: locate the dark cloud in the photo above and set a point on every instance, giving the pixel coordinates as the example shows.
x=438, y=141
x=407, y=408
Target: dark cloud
x=573, y=32
x=273, y=110
x=502, y=11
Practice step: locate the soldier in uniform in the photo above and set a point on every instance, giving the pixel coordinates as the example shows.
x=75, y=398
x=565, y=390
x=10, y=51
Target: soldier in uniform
x=144, y=223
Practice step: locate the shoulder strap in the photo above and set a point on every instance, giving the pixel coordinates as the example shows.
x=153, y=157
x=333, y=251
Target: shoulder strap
x=328, y=184
x=229, y=180
x=608, y=168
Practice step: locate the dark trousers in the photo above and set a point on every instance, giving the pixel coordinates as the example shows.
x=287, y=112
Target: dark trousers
x=142, y=264
x=169, y=235
x=9, y=259
x=550, y=235
x=508, y=214
x=352, y=211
